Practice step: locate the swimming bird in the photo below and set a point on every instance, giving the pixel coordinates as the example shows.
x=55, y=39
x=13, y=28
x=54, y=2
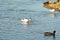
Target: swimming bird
x=25, y=21
x=49, y=33
x=52, y=10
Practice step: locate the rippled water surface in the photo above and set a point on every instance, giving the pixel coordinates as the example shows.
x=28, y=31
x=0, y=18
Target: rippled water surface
x=11, y=13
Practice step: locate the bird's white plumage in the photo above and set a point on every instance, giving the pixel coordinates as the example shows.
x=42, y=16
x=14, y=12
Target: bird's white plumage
x=25, y=21
x=52, y=10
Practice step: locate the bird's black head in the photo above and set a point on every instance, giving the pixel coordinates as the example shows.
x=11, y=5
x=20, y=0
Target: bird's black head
x=54, y=31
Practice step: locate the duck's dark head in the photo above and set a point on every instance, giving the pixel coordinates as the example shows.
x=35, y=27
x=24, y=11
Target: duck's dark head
x=54, y=32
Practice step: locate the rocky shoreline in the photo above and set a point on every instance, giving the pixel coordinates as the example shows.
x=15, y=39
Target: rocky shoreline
x=52, y=5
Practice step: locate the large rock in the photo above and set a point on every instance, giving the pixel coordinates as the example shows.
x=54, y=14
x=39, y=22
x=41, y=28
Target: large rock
x=52, y=5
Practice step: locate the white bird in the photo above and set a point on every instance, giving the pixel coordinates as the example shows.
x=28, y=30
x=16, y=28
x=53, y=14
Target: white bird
x=52, y=10
x=25, y=21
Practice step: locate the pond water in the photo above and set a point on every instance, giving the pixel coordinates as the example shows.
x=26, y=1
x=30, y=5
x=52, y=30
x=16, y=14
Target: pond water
x=11, y=13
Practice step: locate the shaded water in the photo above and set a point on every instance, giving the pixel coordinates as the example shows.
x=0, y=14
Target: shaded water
x=11, y=13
